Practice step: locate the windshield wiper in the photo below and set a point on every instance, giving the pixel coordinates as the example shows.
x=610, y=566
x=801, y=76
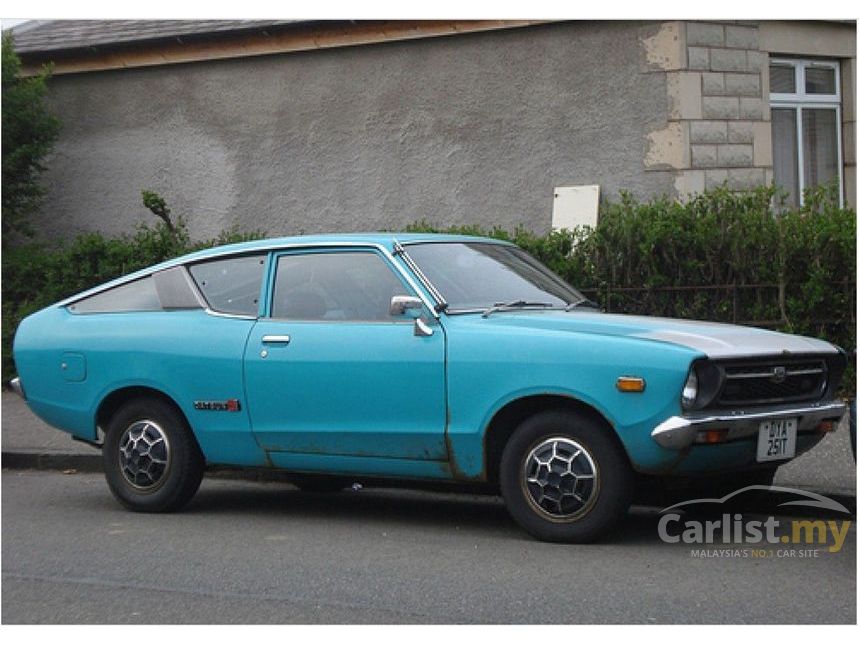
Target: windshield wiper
x=585, y=302
x=514, y=304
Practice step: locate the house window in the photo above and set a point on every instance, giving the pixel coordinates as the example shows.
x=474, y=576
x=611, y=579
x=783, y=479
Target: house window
x=805, y=121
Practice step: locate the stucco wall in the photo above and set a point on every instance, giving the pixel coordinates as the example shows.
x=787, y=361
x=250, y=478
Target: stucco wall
x=467, y=129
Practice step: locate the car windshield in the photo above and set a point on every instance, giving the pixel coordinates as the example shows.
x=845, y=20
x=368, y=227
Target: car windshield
x=481, y=275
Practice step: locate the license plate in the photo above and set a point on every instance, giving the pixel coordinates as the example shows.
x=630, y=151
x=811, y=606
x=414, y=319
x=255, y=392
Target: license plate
x=776, y=439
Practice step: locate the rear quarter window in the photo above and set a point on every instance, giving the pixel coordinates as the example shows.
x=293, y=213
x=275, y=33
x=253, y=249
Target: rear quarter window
x=166, y=290
x=139, y=295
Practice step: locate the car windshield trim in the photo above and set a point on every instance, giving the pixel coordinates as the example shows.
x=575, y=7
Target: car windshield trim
x=441, y=304
x=545, y=287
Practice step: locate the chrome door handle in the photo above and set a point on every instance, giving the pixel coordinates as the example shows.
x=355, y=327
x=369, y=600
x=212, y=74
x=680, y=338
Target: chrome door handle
x=276, y=340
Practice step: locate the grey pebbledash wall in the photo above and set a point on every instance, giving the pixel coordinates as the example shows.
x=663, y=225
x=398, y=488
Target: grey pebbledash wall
x=474, y=128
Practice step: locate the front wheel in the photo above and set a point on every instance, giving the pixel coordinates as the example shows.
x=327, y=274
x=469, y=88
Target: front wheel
x=565, y=478
x=151, y=460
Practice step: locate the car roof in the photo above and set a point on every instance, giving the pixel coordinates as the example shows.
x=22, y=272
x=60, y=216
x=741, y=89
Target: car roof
x=385, y=240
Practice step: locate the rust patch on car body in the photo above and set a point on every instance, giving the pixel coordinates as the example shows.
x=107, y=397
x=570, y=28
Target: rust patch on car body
x=454, y=469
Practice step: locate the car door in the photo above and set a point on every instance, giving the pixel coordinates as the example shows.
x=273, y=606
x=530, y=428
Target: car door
x=329, y=370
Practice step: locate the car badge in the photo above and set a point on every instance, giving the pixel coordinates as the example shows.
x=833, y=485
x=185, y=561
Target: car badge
x=230, y=405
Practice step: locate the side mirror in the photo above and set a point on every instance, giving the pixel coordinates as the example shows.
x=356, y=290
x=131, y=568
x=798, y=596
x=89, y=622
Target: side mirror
x=403, y=304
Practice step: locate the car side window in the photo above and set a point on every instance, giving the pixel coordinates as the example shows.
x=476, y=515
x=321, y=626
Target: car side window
x=332, y=286
x=166, y=290
x=231, y=285
x=140, y=295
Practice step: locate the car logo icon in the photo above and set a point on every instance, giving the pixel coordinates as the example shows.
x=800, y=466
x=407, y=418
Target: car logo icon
x=778, y=374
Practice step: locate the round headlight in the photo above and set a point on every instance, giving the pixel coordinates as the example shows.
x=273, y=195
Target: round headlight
x=691, y=390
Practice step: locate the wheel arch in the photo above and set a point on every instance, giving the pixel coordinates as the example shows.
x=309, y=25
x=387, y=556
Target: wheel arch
x=114, y=400
x=506, y=420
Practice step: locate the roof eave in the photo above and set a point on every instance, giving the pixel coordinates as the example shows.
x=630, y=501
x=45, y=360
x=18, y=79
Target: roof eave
x=297, y=37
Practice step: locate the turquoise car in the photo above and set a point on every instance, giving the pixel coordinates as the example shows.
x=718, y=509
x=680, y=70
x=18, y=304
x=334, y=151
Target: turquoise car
x=408, y=357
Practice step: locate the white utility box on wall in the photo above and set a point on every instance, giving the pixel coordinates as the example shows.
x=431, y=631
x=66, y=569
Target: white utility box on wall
x=574, y=206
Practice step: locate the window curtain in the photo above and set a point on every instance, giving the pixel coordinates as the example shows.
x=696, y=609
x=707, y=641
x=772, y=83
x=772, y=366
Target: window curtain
x=784, y=133
x=820, y=151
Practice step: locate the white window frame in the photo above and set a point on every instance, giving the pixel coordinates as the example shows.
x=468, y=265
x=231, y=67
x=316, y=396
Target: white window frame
x=799, y=99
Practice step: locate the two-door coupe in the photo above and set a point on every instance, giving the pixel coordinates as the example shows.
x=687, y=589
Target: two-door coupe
x=413, y=356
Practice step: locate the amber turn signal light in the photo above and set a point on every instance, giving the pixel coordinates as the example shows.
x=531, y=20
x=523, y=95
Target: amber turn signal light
x=715, y=436
x=630, y=384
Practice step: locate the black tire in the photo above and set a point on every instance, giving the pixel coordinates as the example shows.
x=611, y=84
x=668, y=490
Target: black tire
x=318, y=483
x=554, y=436
x=164, y=435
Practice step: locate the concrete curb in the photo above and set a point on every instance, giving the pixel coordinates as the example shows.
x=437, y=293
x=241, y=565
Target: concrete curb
x=51, y=461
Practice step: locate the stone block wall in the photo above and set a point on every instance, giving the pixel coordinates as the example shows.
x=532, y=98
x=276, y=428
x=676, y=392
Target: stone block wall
x=719, y=118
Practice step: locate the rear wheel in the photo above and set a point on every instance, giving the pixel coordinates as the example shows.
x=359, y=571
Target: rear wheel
x=152, y=462
x=565, y=478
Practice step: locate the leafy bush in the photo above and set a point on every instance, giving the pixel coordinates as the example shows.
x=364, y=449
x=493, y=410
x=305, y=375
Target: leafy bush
x=29, y=132
x=36, y=275
x=726, y=256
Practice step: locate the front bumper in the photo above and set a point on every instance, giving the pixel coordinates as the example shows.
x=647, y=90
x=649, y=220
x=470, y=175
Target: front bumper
x=680, y=432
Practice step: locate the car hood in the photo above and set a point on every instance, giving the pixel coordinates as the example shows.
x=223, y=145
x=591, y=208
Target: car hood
x=716, y=340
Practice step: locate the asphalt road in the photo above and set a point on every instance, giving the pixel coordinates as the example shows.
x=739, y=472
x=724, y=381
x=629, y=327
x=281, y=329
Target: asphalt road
x=254, y=552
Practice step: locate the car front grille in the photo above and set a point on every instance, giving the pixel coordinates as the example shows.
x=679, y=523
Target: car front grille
x=773, y=381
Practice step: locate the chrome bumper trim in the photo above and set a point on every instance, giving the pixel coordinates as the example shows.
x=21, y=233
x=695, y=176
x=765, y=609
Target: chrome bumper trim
x=679, y=432
x=17, y=388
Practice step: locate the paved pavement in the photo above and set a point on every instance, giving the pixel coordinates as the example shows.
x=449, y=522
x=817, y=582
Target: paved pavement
x=27, y=442
x=264, y=552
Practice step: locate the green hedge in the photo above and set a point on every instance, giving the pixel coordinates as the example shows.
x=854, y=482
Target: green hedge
x=724, y=256
x=36, y=274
